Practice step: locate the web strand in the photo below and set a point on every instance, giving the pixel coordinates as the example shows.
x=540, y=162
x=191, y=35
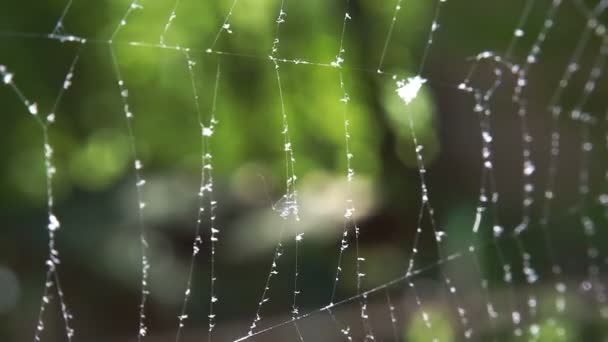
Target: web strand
x=59, y=26
x=289, y=202
x=170, y=20
x=53, y=259
x=142, y=330
x=350, y=221
x=139, y=184
x=389, y=35
x=206, y=200
x=408, y=91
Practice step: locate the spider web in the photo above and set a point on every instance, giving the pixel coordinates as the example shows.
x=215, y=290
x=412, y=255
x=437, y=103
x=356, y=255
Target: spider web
x=530, y=288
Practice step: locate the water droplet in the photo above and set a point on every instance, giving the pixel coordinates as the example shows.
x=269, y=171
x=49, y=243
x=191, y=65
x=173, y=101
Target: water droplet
x=53, y=223
x=33, y=108
x=8, y=78
x=408, y=91
x=207, y=131
x=529, y=168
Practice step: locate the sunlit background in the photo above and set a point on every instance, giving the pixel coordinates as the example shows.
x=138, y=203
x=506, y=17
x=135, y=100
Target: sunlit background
x=95, y=192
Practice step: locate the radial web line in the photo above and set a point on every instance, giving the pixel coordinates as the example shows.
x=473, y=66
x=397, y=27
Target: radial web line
x=170, y=20
x=389, y=35
x=517, y=34
x=213, y=228
x=350, y=220
x=59, y=25
x=53, y=259
x=350, y=209
x=139, y=184
x=519, y=31
x=439, y=235
x=206, y=200
x=289, y=201
x=344, y=329
x=408, y=91
x=225, y=26
x=142, y=329
x=135, y=5
x=429, y=42
x=488, y=200
x=392, y=314
x=483, y=109
x=291, y=206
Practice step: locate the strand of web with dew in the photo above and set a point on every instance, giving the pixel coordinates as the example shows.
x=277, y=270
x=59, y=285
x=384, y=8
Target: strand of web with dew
x=488, y=200
x=528, y=166
x=603, y=197
x=603, y=200
x=206, y=187
x=225, y=27
x=134, y=6
x=519, y=32
x=601, y=294
x=482, y=107
x=170, y=20
x=53, y=258
x=350, y=221
x=60, y=26
x=488, y=185
x=139, y=179
x=54, y=224
x=389, y=35
x=207, y=132
x=408, y=91
x=392, y=314
x=291, y=206
x=344, y=329
x=408, y=95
